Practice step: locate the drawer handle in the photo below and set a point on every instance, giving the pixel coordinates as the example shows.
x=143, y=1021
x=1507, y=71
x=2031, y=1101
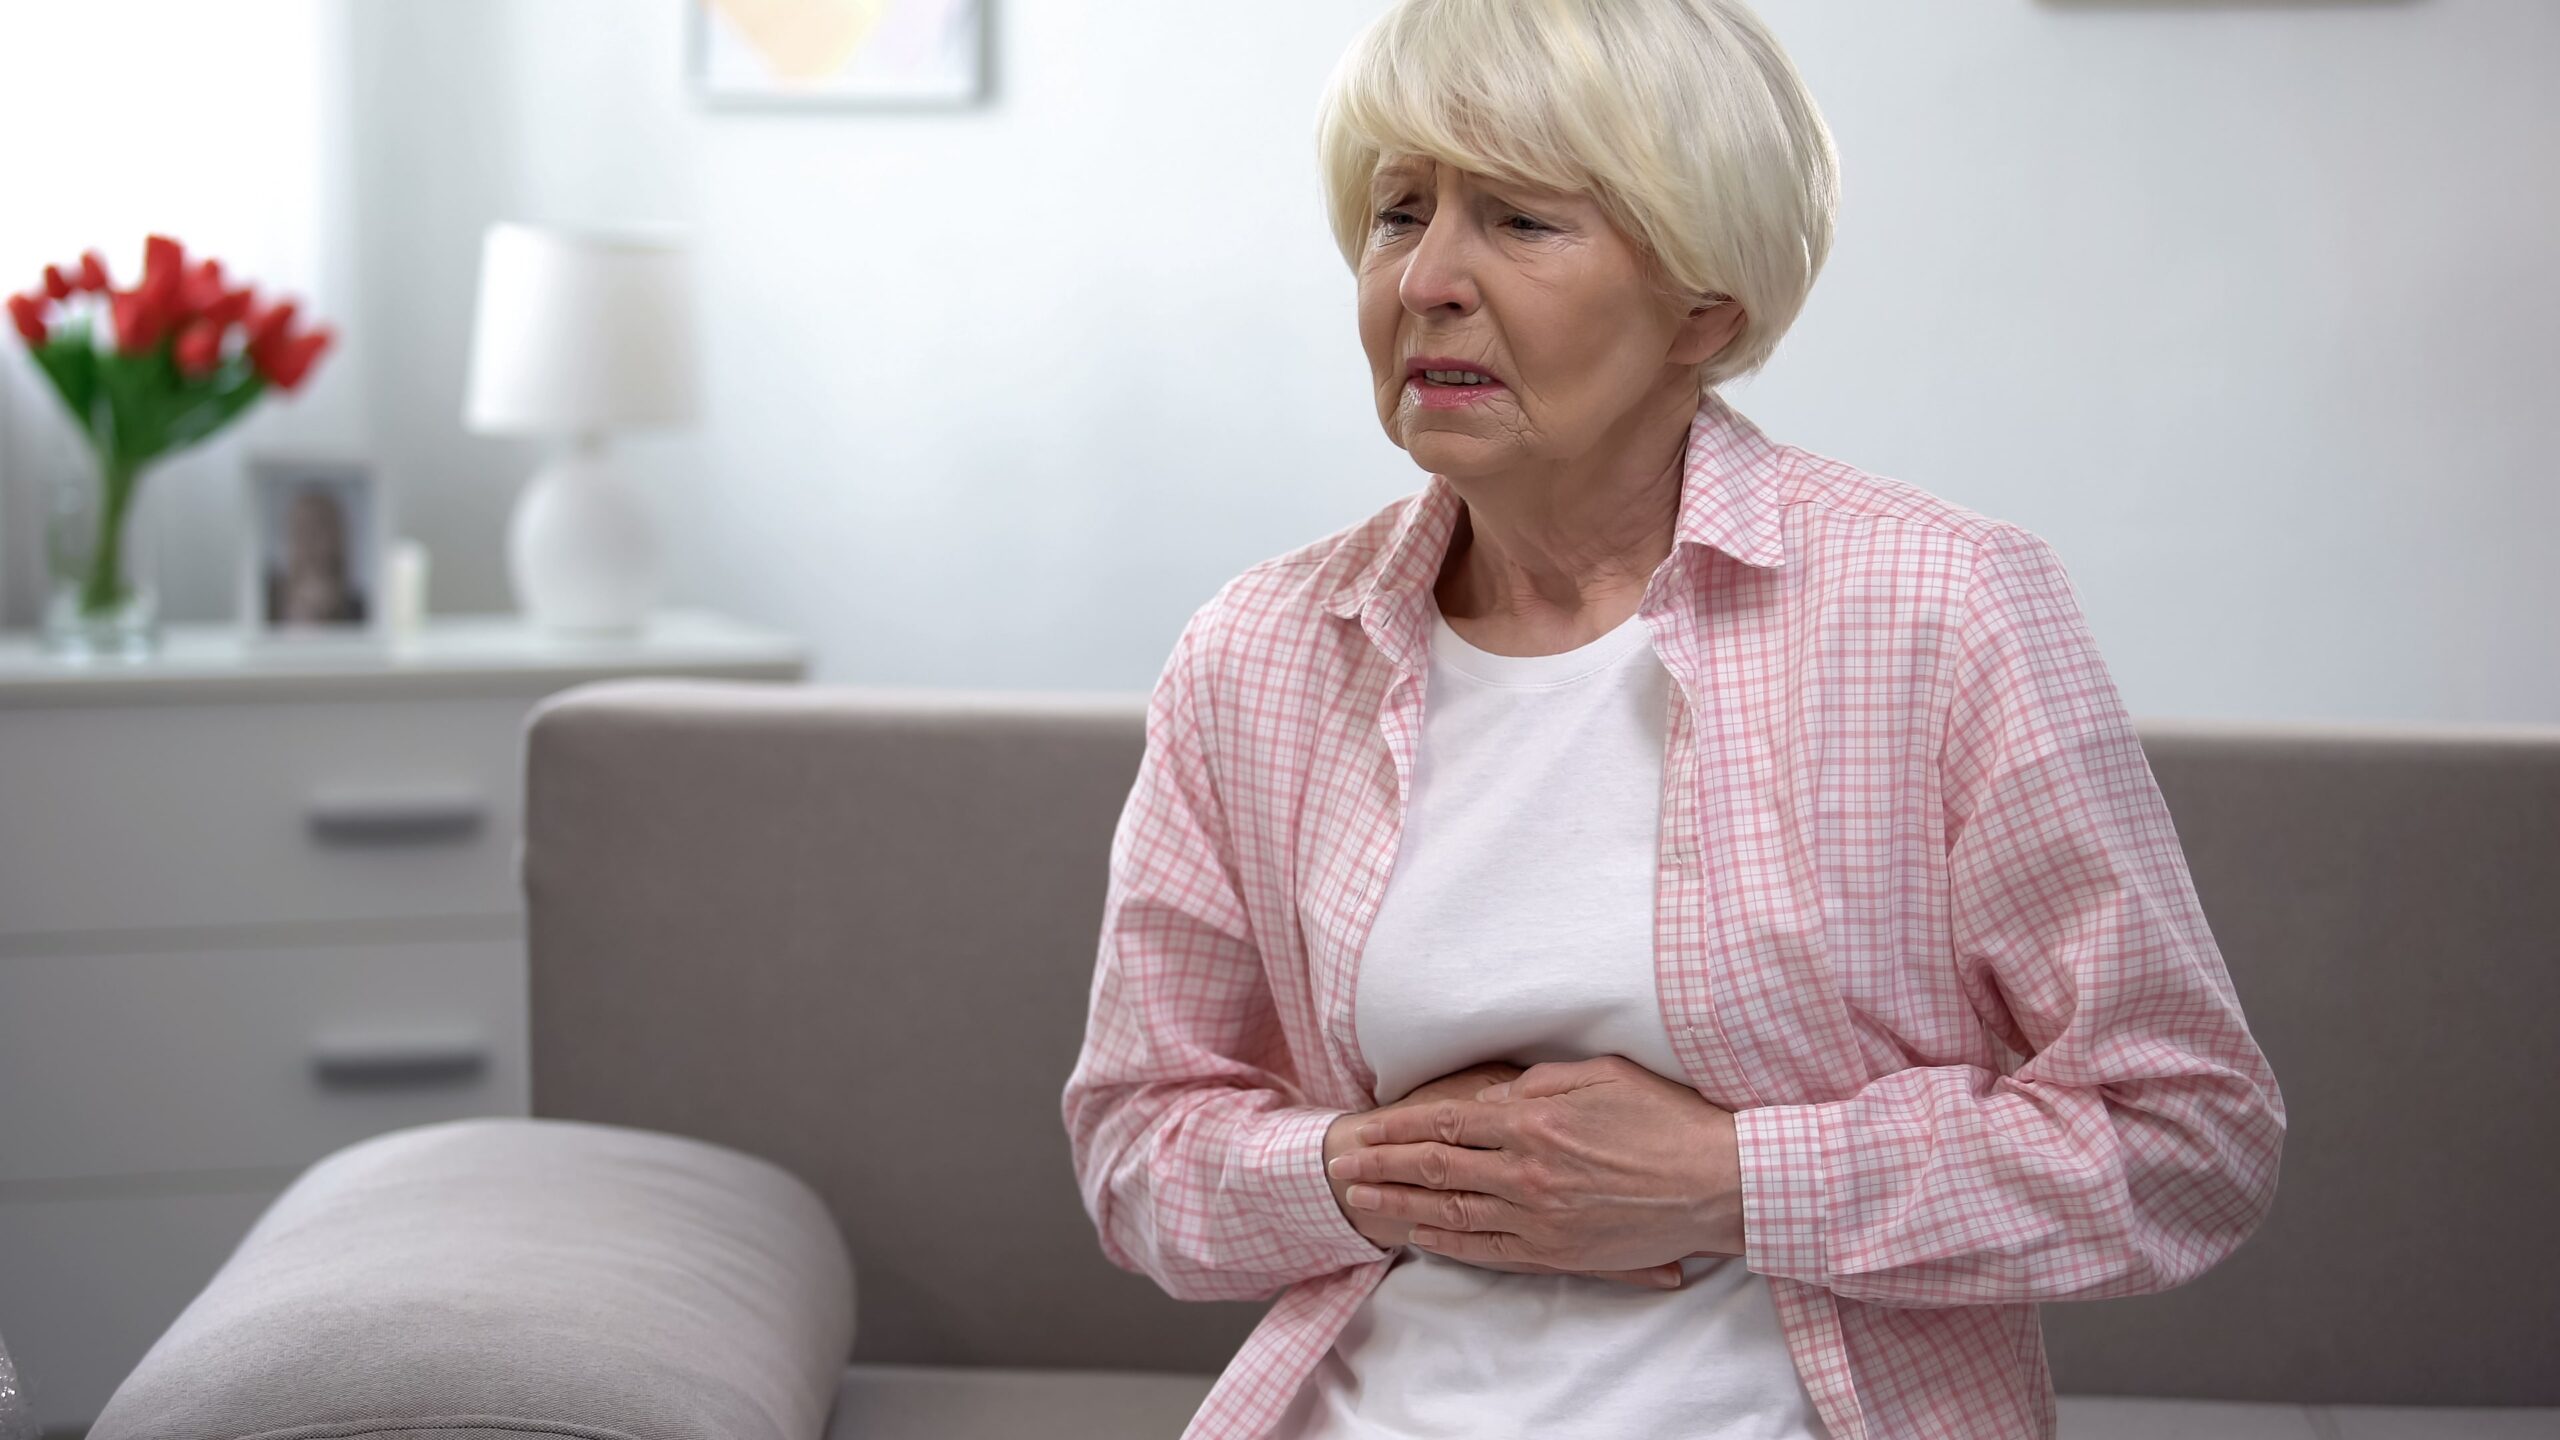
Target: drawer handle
x=395, y=819
x=398, y=1059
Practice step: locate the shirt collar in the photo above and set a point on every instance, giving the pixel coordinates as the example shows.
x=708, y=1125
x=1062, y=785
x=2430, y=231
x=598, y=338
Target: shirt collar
x=1729, y=501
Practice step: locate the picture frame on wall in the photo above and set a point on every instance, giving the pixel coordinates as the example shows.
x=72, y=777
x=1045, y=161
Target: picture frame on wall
x=317, y=528
x=836, y=54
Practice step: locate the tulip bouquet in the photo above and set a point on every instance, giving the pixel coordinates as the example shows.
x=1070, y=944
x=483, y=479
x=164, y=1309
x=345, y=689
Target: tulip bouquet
x=188, y=353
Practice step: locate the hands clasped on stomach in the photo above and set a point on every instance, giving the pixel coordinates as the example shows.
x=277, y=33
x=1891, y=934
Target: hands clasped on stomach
x=1589, y=1167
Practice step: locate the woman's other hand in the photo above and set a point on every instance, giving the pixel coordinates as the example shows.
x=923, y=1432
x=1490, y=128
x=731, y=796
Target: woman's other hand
x=1389, y=1232
x=1596, y=1161
x=1344, y=1137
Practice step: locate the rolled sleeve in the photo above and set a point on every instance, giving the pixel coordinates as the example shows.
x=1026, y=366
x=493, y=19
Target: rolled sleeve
x=1198, y=1154
x=1289, y=1169
x=1785, y=1189
x=2137, y=1145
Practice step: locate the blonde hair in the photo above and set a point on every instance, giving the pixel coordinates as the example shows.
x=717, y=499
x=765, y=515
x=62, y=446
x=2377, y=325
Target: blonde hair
x=1682, y=118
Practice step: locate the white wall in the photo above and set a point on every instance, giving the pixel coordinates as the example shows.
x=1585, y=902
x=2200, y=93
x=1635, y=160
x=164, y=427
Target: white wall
x=2247, y=307
x=995, y=397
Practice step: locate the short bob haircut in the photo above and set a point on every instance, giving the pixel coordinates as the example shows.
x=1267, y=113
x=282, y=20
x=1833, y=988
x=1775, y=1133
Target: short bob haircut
x=1681, y=118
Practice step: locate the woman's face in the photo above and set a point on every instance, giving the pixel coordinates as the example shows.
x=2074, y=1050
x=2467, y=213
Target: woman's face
x=1535, y=290
x=313, y=525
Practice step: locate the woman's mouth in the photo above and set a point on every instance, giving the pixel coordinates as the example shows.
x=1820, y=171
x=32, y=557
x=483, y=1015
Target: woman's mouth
x=1451, y=388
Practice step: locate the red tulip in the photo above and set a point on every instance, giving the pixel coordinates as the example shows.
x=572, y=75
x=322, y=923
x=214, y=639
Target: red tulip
x=278, y=353
x=162, y=256
x=199, y=347
x=168, y=291
x=202, y=286
x=93, y=271
x=142, y=319
x=232, y=308
x=28, y=312
x=270, y=325
x=54, y=283
x=147, y=313
x=157, y=306
x=284, y=359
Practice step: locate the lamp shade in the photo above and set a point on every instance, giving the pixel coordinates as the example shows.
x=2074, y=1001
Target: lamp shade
x=581, y=331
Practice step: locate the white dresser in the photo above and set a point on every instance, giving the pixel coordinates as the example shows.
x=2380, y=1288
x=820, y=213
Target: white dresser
x=257, y=902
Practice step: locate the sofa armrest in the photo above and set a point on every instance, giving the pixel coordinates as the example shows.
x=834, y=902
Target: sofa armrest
x=514, y=1275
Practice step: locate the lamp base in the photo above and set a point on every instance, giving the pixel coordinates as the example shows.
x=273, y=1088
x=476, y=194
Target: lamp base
x=582, y=553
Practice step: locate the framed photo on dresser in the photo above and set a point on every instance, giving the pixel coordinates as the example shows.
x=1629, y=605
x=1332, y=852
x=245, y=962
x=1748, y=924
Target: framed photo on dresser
x=317, y=528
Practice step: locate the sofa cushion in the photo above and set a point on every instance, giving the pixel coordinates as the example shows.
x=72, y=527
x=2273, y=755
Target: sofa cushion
x=937, y=1402
x=2150, y=1417
x=513, y=1275
x=940, y=1402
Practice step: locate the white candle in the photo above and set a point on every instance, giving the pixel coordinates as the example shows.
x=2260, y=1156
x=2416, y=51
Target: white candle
x=405, y=587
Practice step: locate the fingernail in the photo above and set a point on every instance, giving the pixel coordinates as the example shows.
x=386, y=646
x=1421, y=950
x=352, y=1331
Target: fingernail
x=1365, y=1196
x=1338, y=1166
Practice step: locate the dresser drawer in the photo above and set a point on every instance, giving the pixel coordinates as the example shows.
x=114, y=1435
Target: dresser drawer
x=116, y=816
x=88, y=1283
x=121, y=1065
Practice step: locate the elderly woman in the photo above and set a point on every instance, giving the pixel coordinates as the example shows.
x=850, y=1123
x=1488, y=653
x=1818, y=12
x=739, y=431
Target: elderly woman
x=1771, y=831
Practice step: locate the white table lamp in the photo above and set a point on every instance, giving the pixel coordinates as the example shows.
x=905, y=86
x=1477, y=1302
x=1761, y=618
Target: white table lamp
x=582, y=332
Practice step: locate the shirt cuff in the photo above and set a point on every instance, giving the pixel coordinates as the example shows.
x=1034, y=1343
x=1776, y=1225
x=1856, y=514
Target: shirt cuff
x=1785, y=1191
x=1290, y=1170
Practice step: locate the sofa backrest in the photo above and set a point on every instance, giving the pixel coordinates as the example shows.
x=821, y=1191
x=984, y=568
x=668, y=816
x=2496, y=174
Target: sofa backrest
x=853, y=929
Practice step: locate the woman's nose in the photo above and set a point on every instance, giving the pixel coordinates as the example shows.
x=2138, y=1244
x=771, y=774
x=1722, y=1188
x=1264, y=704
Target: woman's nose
x=1440, y=272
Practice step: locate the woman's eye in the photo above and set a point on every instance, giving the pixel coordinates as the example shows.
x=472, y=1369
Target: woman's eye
x=1390, y=217
x=1532, y=224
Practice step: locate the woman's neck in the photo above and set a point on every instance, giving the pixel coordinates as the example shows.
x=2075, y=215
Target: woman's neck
x=1567, y=552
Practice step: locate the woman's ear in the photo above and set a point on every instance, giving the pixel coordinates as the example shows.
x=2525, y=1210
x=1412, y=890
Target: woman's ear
x=1708, y=327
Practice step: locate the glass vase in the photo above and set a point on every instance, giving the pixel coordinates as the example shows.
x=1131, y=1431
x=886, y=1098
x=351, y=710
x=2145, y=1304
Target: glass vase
x=102, y=589
x=17, y=1403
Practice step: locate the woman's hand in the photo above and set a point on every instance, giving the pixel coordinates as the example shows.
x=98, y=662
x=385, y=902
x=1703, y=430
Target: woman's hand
x=1388, y=1231
x=1591, y=1165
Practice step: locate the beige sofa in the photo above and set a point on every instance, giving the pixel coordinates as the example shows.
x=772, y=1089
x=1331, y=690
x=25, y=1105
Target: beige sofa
x=844, y=936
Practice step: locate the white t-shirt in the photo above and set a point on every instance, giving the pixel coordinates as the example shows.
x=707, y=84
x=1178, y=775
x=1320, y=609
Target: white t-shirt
x=1518, y=925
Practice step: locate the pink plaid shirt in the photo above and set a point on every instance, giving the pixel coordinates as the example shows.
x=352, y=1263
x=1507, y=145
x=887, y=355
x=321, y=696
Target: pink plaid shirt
x=1922, y=922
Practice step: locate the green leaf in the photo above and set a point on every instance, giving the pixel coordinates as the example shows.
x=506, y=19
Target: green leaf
x=216, y=400
x=164, y=393
x=67, y=360
x=130, y=385
x=80, y=375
